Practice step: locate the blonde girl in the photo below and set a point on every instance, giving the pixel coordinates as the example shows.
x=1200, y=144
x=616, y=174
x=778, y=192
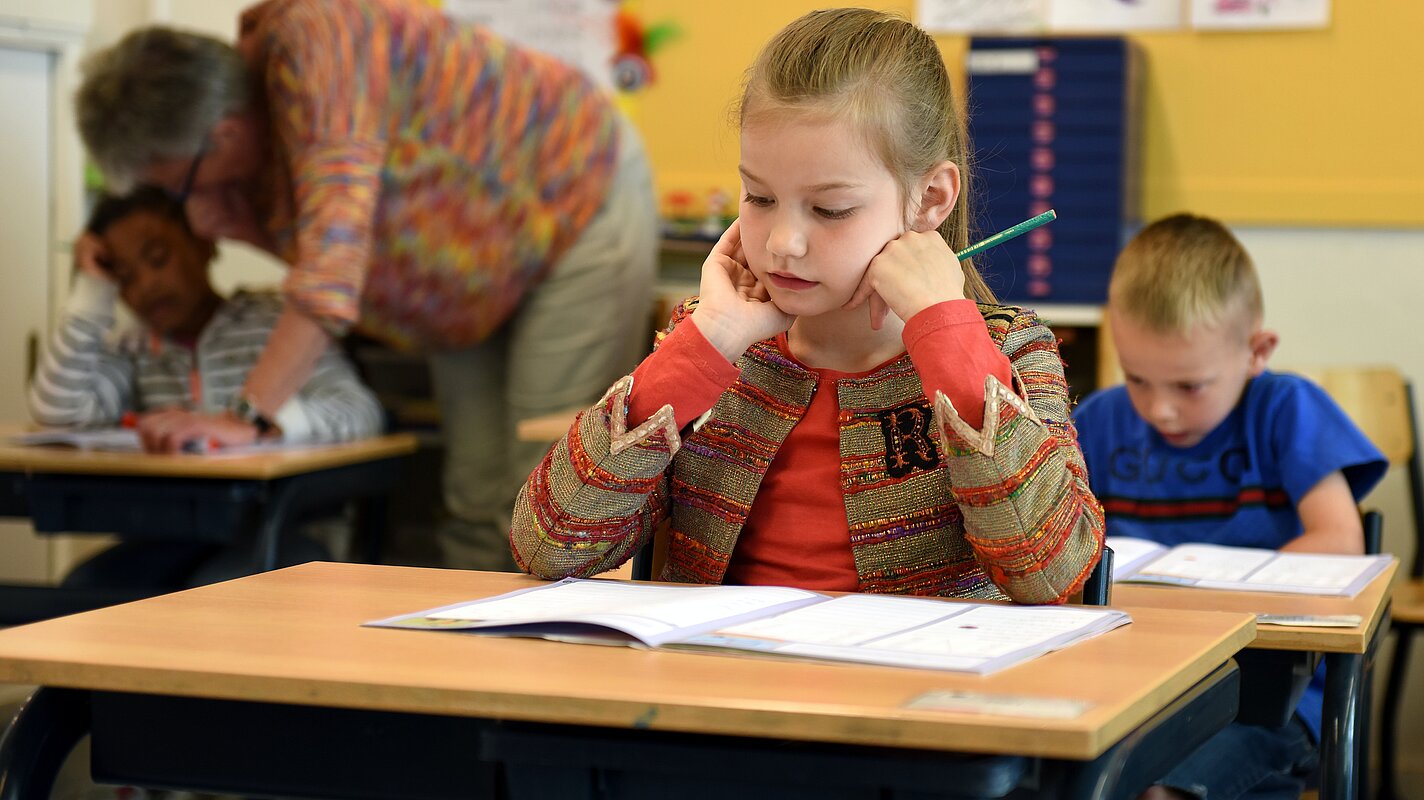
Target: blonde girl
x=843, y=406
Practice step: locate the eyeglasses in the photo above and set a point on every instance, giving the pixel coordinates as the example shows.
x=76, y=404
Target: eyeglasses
x=182, y=196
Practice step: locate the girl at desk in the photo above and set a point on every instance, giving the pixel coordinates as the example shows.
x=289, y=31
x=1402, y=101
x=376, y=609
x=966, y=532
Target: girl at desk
x=844, y=406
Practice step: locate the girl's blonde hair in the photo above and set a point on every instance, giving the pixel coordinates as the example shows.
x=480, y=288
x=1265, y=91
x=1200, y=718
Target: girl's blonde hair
x=887, y=77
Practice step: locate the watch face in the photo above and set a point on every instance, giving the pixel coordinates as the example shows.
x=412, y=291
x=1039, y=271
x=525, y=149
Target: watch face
x=247, y=412
x=244, y=410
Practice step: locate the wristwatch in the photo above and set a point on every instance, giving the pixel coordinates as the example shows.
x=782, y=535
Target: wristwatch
x=243, y=409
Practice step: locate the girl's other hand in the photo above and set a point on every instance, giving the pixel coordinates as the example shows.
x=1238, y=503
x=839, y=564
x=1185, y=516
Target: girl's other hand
x=91, y=257
x=734, y=310
x=914, y=271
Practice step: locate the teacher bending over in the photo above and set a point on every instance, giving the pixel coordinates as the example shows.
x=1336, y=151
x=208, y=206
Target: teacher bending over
x=430, y=185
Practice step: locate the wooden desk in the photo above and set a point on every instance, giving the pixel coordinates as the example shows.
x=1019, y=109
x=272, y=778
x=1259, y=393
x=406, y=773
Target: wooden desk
x=263, y=465
x=548, y=428
x=291, y=640
x=212, y=498
x=1349, y=654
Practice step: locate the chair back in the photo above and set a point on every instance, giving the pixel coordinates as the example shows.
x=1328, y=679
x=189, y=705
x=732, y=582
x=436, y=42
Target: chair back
x=1373, y=523
x=1377, y=399
x=1381, y=402
x=648, y=561
x=1097, y=590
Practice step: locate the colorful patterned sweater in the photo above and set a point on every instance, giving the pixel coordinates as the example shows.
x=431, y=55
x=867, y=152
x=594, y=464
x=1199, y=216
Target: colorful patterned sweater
x=1003, y=511
x=424, y=173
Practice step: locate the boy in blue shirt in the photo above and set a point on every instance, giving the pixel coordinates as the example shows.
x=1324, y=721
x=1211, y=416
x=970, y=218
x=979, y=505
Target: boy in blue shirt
x=1204, y=444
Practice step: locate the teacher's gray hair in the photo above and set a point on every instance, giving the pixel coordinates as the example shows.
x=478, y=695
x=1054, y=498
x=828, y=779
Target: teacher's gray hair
x=153, y=95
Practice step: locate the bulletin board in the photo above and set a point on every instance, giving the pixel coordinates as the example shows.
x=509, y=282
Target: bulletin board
x=1309, y=128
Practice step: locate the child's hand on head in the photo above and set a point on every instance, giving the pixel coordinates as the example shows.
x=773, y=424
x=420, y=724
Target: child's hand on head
x=91, y=257
x=734, y=310
x=914, y=271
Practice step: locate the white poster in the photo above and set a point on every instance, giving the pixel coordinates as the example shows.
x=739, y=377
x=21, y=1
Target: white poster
x=982, y=16
x=577, y=31
x=1255, y=14
x=1114, y=15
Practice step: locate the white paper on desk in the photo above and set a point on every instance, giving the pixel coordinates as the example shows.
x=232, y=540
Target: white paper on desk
x=1129, y=553
x=122, y=440
x=649, y=613
x=913, y=632
x=1207, y=562
x=1252, y=569
x=775, y=620
x=1312, y=571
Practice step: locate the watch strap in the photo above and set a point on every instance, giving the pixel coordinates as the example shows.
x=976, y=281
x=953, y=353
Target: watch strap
x=244, y=409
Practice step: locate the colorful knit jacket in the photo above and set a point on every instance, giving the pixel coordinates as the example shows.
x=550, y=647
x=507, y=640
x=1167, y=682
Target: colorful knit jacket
x=425, y=173
x=983, y=514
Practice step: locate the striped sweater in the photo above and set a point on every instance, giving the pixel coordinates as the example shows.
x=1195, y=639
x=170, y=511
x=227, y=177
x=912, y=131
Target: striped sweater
x=91, y=374
x=1005, y=512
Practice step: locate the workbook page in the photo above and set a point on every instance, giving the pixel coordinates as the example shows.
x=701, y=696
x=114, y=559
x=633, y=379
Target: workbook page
x=1129, y=553
x=647, y=612
x=1313, y=571
x=1205, y=562
x=913, y=632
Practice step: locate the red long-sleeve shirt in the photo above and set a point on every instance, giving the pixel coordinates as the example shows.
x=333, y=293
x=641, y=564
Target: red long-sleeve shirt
x=801, y=492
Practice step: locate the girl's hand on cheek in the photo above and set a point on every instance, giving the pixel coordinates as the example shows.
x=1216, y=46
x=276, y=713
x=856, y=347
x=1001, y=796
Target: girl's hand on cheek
x=911, y=273
x=734, y=309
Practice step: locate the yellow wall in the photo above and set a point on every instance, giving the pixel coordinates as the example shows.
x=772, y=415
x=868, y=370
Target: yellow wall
x=1292, y=127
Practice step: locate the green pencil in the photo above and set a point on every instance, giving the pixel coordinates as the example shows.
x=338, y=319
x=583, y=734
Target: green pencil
x=1007, y=234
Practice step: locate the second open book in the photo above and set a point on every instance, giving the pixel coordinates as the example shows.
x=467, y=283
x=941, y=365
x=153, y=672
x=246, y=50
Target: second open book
x=1246, y=569
x=775, y=620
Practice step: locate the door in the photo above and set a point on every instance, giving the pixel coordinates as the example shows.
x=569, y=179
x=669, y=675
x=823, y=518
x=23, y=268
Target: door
x=26, y=178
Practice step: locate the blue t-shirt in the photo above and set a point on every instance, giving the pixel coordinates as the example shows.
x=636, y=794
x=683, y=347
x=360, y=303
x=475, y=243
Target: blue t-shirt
x=1239, y=485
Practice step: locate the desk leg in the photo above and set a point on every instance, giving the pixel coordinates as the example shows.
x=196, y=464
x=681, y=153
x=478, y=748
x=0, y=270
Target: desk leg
x=1364, y=727
x=276, y=515
x=36, y=742
x=290, y=497
x=1344, y=674
x=1160, y=743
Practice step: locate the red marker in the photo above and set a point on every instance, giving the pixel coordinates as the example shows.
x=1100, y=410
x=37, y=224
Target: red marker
x=201, y=446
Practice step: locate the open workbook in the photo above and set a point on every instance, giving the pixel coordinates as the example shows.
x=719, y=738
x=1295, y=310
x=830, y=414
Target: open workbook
x=1247, y=569
x=774, y=620
x=124, y=440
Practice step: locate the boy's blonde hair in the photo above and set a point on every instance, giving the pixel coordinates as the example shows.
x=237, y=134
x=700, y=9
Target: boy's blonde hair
x=883, y=74
x=1182, y=271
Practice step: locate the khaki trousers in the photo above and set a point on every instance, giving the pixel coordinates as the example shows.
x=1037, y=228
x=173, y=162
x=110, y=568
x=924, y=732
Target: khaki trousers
x=577, y=332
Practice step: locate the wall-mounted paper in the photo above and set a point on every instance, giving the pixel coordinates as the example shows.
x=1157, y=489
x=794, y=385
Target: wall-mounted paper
x=982, y=16
x=1253, y=14
x=579, y=32
x=1114, y=15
